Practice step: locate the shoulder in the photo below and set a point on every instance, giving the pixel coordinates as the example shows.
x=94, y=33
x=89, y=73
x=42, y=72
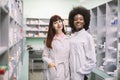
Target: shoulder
x=67, y=36
x=46, y=48
x=88, y=34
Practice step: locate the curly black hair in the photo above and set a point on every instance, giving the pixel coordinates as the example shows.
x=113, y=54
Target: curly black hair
x=82, y=11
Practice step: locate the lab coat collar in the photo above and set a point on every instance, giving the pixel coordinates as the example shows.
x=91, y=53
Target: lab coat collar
x=79, y=32
x=82, y=30
x=62, y=36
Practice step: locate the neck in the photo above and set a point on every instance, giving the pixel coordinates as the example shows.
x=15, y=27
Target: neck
x=78, y=29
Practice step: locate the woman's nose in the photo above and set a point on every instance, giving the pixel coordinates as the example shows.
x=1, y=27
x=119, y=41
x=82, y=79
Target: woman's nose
x=59, y=23
x=78, y=20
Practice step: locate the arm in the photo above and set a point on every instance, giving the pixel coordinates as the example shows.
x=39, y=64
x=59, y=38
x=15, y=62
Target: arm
x=46, y=57
x=90, y=56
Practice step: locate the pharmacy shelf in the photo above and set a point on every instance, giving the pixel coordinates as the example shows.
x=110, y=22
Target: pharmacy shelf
x=36, y=27
x=11, y=37
x=104, y=27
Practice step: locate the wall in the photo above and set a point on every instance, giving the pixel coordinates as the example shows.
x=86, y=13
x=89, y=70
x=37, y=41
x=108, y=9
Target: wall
x=46, y=8
x=36, y=43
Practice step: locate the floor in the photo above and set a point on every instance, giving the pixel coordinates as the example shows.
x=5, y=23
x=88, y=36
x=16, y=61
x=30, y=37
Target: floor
x=37, y=72
x=36, y=75
x=36, y=66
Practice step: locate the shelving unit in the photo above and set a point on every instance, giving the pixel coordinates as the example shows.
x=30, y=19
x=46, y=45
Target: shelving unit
x=11, y=37
x=4, y=37
x=118, y=55
x=101, y=37
x=67, y=27
x=36, y=27
x=36, y=32
x=105, y=27
x=93, y=24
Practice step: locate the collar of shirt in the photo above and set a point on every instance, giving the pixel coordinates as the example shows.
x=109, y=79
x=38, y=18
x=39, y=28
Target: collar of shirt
x=61, y=36
x=78, y=32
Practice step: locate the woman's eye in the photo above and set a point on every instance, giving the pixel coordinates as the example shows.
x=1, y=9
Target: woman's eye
x=55, y=23
x=60, y=21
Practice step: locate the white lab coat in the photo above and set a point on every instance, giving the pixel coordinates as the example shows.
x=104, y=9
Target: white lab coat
x=59, y=54
x=82, y=55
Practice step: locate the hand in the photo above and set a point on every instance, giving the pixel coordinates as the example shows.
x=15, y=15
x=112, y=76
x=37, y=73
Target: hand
x=51, y=65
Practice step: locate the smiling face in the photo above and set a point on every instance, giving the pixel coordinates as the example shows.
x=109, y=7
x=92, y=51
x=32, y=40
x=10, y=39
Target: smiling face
x=79, y=21
x=58, y=25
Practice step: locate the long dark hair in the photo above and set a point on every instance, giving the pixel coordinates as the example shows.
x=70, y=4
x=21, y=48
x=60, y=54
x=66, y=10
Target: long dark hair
x=51, y=30
x=82, y=11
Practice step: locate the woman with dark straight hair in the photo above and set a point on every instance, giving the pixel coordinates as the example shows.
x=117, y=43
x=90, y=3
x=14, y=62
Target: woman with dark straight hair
x=51, y=30
x=56, y=51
